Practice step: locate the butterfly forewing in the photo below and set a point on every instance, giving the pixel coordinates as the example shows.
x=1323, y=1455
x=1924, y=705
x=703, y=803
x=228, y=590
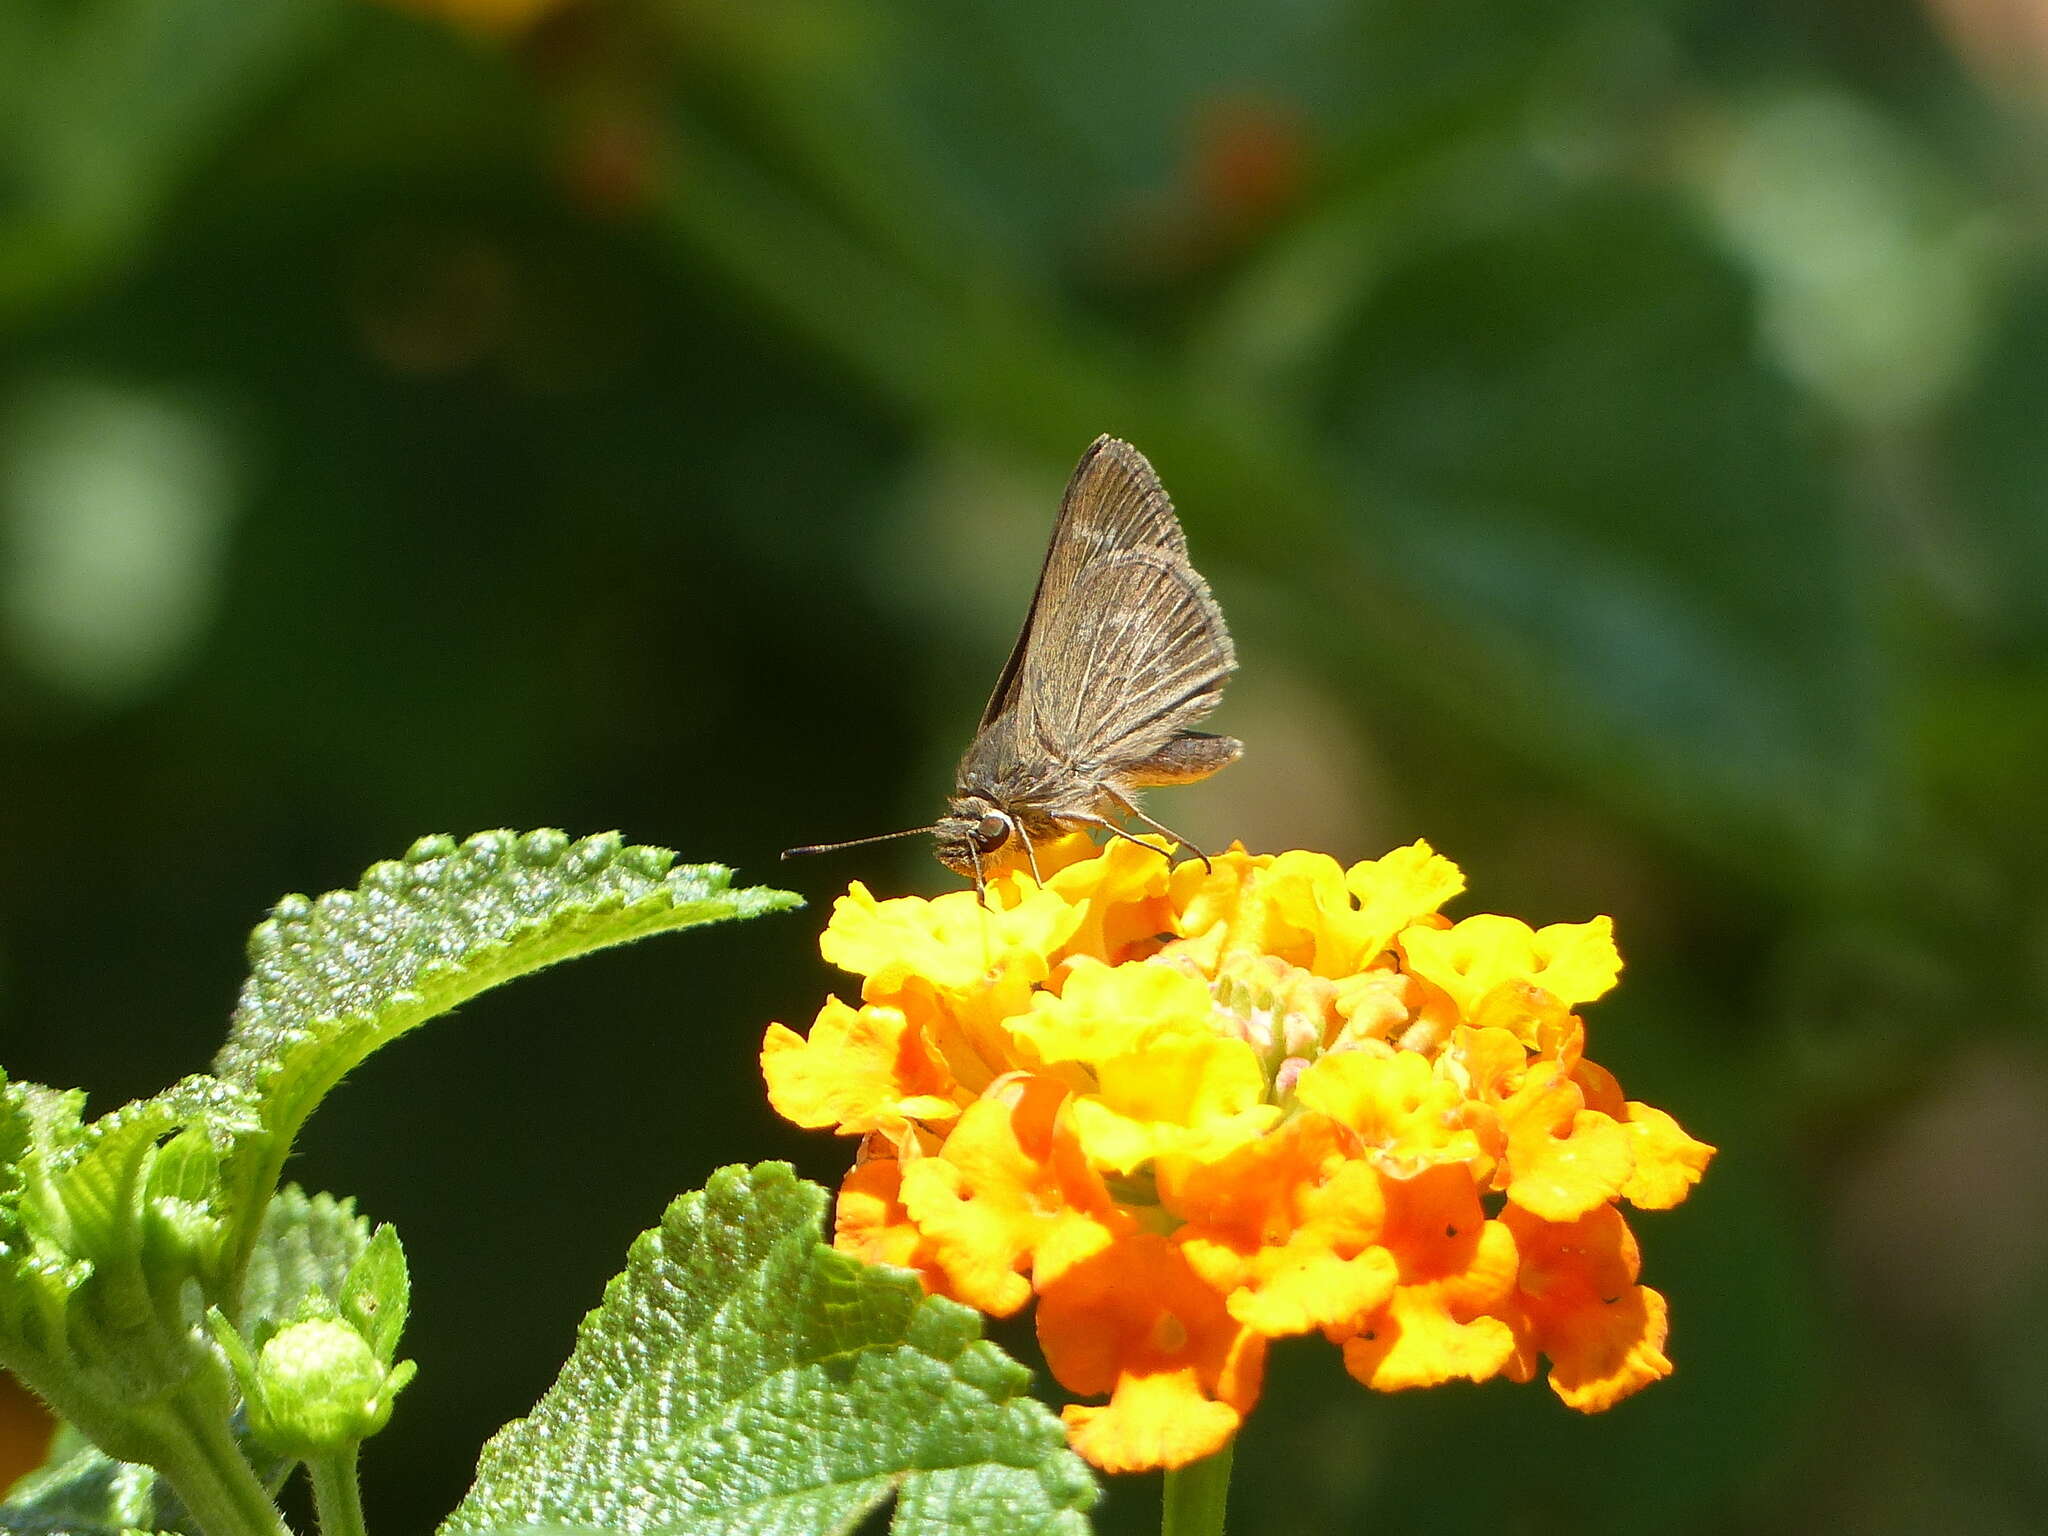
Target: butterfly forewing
x=1122, y=650
x=1148, y=653
x=1113, y=501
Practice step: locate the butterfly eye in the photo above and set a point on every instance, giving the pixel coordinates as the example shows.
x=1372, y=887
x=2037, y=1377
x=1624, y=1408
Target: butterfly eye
x=990, y=831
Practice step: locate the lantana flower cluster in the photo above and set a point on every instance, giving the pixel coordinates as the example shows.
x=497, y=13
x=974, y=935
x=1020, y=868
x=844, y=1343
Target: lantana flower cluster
x=1197, y=1107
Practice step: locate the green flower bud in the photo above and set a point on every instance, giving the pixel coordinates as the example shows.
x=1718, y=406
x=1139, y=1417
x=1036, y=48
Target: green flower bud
x=317, y=1387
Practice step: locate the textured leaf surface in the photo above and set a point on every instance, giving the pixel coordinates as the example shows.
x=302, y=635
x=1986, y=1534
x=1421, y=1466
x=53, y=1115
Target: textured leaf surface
x=741, y=1377
x=104, y=1228
x=80, y=1488
x=308, y=1244
x=333, y=979
x=106, y=1225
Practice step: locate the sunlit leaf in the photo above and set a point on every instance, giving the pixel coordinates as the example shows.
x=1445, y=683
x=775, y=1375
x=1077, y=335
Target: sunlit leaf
x=741, y=1377
x=337, y=977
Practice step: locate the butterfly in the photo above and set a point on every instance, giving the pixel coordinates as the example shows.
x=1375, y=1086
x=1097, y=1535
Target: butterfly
x=1122, y=651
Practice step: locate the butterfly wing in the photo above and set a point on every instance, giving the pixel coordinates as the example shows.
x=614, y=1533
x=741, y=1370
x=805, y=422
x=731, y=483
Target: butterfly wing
x=1113, y=502
x=1141, y=656
x=1123, y=647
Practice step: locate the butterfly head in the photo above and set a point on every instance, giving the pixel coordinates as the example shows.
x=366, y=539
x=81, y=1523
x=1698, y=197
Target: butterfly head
x=972, y=829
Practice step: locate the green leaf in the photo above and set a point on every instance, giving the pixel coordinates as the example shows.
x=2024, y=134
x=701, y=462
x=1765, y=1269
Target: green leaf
x=335, y=978
x=308, y=1246
x=81, y=1488
x=741, y=1377
x=377, y=1292
x=108, y=1237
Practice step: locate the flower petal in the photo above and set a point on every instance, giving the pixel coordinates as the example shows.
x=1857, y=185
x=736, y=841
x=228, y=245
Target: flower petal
x=1194, y=1097
x=870, y=1223
x=1573, y=962
x=860, y=1070
x=1121, y=894
x=1579, y=1305
x=1286, y=1229
x=953, y=942
x=1457, y=1268
x=1011, y=1173
x=1155, y=1420
x=1399, y=1108
x=1134, y=1321
x=1416, y=1342
x=1111, y=1010
x=1667, y=1161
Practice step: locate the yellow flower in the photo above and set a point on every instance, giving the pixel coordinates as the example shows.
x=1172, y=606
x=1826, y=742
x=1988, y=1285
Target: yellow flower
x=1406, y=1118
x=1010, y=1180
x=1354, y=915
x=1574, y=962
x=1193, y=1108
x=954, y=944
x=860, y=1070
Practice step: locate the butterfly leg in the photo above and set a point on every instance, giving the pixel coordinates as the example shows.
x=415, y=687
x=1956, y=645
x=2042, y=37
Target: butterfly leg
x=1116, y=831
x=1030, y=854
x=1124, y=801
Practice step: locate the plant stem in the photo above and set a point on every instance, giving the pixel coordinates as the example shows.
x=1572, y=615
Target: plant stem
x=213, y=1478
x=1196, y=1495
x=337, y=1496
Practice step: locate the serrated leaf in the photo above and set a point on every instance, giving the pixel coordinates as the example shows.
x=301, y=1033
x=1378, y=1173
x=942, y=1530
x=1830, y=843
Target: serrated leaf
x=335, y=978
x=308, y=1245
x=742, y=1377
x=108, y=1226
x=91, y=1192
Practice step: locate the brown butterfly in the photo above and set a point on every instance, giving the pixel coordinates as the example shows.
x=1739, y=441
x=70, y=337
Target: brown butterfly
x=1123, y=650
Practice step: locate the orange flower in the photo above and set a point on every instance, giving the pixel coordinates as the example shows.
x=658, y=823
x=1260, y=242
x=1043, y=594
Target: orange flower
x=871, y=1223
x=1136, y=1322
x=1010, y=1184
x=1457, y=1269
x=1195, y=1107
x=1288, y=1228
x=1577, y=1301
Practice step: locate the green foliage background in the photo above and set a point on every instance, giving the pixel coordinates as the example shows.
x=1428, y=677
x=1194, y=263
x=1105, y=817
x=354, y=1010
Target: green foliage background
x=1614, y=430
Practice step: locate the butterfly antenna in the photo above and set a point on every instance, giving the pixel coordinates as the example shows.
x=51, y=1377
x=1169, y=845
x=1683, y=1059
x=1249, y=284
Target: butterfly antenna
x=854, y=842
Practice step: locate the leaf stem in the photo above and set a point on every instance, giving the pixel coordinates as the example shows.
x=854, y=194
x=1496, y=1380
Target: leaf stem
x=209, y=1473
x=337, y=1496
x=1196, y=1495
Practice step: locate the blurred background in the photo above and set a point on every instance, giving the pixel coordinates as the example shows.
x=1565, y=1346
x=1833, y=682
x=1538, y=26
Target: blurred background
x=1617, y=432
